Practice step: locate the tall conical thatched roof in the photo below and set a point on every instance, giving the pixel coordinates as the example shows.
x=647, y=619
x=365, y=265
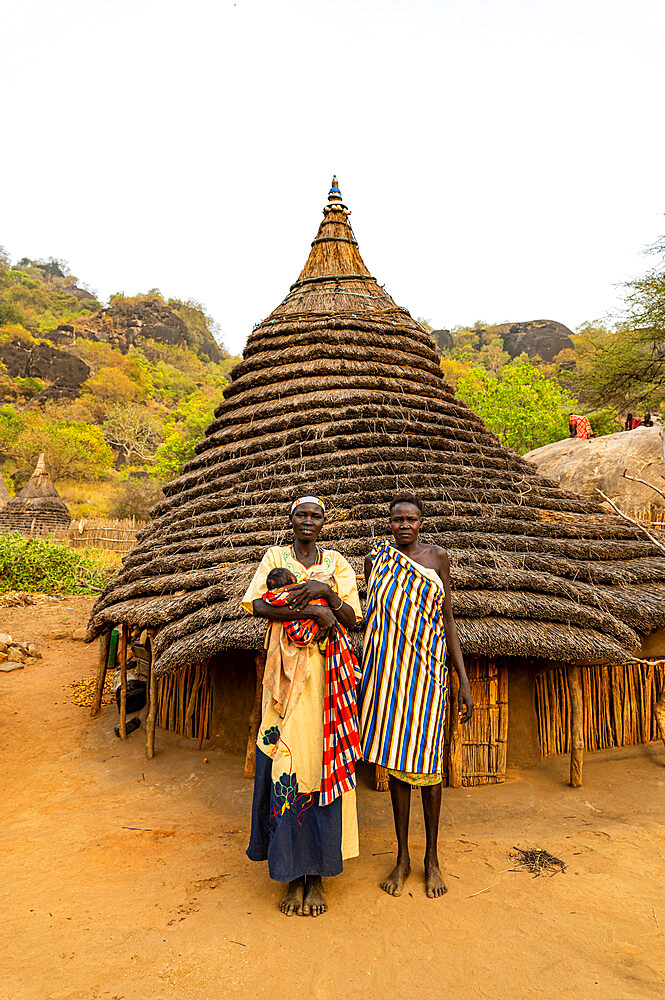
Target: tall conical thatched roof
x=340, y=393
x=37, y=507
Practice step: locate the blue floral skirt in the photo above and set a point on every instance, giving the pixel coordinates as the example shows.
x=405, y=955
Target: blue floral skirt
x=290, y=830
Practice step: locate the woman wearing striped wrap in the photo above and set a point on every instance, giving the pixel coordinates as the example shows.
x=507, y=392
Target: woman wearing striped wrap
x=409, y=636
x=304, y=820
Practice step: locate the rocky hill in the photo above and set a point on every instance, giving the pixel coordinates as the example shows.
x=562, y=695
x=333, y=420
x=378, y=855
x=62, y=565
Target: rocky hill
x=115, y=395
x=45, y=314
x=128, y=322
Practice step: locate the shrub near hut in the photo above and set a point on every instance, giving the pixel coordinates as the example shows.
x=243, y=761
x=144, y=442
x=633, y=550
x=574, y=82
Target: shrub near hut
x=47, y=567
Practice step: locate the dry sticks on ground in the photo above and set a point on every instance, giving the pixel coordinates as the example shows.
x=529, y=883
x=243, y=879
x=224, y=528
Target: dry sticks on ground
x=537, y=861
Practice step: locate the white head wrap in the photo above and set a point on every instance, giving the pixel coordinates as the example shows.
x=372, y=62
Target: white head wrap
x=316, y=500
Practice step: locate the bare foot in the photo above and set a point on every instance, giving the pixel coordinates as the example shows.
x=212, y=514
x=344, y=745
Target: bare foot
x=291, y=901
x=314, y=902
x=434, y=884
x=398, y=876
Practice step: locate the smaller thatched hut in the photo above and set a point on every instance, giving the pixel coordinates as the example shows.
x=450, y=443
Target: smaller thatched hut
x=38, y=508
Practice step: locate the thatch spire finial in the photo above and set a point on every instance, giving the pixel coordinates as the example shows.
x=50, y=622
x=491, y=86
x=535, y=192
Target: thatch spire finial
x=40, y=468
x=334, y=194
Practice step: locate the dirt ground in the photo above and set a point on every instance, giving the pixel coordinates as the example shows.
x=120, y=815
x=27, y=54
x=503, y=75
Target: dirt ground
x=96, y=908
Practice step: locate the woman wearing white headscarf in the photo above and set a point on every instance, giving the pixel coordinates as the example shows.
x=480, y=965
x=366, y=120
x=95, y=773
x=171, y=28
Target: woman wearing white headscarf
x=301, y=839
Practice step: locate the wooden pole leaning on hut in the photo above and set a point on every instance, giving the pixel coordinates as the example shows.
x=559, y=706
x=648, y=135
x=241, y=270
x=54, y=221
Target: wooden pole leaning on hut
x=576, y=726
x=255, y=716
x=151, y=719
x=123, y=682
x=104, y=643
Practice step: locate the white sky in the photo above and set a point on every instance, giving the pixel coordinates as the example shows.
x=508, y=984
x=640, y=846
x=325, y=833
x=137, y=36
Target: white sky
x=503, y=160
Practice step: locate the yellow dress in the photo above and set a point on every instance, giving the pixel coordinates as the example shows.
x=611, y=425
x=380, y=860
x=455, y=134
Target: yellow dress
x=295, y=744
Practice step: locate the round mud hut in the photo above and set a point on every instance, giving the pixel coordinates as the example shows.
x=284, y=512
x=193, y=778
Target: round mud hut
x=340, y=392
x=37, y=509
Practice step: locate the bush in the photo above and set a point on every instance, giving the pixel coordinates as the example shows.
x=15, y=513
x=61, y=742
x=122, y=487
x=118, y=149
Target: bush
x=605, y=421
x=44, y=566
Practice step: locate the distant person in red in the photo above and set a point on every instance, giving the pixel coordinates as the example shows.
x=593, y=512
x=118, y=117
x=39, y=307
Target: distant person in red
x=628, y=423
x=636, y=423
x=580, y=427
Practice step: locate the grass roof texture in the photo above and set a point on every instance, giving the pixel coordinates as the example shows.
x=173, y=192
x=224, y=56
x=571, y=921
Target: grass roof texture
x=340, y=393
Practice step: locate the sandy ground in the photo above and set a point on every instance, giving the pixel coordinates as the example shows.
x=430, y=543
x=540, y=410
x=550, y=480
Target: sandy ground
x=94, y=909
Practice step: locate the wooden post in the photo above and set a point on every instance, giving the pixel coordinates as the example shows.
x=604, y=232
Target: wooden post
x=659, y=711
x=123, y=682
x=454, y=736
x=576, y=726
x=152, y=713
x=255, y=716
x=381, y=778
x=104, y=642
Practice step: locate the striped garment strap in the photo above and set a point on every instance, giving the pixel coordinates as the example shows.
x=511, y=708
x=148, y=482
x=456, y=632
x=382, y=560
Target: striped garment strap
x=403, y=687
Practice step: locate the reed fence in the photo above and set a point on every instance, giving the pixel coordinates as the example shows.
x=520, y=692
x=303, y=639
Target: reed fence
x=114, y=534
x=184, y=702
x=617, y=706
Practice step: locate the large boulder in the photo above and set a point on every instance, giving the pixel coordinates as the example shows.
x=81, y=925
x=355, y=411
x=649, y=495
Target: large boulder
x=64, y=373
x=584, y=466
x=542, y=337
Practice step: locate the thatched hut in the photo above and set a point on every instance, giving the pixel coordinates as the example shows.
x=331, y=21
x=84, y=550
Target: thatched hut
x=340, y=392
x=37, y=509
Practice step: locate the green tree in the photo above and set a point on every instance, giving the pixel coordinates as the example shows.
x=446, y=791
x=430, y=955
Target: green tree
x=624, y=366
x=12, y=425
x=72, y=450
x=133, y=432
x=187, y=425
x=523, y=407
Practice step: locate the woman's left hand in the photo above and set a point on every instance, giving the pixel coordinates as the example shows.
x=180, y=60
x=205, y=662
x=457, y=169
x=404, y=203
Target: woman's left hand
x=300, y=594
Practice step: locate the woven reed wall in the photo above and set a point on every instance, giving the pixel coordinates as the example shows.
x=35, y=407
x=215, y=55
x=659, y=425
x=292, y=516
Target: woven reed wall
x=617, y=703
x=485, y=737
x=181, y=700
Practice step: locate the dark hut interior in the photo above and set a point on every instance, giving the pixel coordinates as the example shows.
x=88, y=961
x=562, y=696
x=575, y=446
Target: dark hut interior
x=37, y=508
x=340, y=392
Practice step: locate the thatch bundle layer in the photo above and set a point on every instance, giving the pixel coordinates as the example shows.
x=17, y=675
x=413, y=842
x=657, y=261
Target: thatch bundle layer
x=340, y=393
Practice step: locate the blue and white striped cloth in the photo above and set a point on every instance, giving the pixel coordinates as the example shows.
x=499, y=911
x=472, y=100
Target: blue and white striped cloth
x=403, y=687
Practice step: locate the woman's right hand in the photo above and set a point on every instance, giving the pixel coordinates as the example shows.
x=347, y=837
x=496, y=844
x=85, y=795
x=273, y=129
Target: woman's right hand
x=323, y=617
